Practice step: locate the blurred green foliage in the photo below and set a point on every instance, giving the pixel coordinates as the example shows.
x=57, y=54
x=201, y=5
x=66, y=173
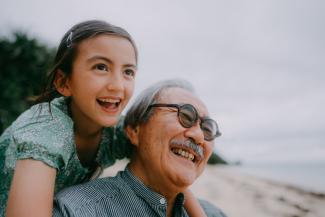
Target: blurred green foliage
x=24, y=62
x=216, y=159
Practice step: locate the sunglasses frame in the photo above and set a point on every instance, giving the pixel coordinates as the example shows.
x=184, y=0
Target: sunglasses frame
x=197, y=117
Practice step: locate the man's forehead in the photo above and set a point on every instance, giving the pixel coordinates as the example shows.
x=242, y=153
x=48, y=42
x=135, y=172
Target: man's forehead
x=176, y=95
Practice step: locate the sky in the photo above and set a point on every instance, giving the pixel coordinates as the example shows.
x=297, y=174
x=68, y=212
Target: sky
x=258, y=65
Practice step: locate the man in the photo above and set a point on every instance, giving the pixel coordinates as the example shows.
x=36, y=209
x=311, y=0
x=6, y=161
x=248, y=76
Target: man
x=173, y=138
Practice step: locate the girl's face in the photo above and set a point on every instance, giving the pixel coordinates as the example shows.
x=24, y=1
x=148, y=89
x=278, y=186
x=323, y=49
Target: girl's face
x=102, y=81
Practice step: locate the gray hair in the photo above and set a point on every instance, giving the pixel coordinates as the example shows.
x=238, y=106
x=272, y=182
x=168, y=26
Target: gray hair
x=138, y=112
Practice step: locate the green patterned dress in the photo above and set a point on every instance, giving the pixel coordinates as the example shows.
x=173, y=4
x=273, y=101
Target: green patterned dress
x=47, y=135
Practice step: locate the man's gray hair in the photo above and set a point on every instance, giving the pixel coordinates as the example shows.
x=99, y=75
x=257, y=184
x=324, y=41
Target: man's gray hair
x=138, y=113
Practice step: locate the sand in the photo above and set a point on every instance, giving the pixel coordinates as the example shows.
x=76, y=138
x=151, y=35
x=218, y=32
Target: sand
x=240, y=195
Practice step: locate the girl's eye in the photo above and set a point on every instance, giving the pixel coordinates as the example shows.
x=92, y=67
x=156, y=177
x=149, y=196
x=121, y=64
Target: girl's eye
x=101, y=67
x=129, y=73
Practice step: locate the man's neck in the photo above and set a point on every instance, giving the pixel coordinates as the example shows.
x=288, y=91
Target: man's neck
x=167, y=190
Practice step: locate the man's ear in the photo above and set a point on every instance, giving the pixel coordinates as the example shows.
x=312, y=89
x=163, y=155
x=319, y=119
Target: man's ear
x=61, y=83
x=133, y=134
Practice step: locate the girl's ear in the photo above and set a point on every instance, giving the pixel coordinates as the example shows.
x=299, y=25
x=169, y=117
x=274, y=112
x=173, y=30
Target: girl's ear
x=61, y=83
x=133, y=134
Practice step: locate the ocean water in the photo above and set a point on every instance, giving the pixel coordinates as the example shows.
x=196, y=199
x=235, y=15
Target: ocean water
x=309, y=176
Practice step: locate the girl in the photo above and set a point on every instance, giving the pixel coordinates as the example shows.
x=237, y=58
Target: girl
x=65, y=140
x=68, y=137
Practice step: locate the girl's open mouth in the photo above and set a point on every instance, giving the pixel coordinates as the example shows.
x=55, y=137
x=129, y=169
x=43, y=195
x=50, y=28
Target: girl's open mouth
x=109, y=103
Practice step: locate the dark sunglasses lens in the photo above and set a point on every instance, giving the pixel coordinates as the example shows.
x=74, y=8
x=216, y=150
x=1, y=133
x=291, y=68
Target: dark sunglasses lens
x=187, y=115
x=209, y=128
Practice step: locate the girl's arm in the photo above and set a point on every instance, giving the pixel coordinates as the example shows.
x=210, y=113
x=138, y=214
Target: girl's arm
x=192, y=205
x=32, y=189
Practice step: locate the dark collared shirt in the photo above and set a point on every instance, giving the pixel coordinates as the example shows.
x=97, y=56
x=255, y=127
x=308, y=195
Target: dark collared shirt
x=122, y=195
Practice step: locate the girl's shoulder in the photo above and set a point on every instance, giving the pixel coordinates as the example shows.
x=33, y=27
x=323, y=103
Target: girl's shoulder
x=43, y=120
x=42, y=132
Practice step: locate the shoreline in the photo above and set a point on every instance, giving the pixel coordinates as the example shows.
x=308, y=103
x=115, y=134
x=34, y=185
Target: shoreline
x=306, y=176
x=239, y=194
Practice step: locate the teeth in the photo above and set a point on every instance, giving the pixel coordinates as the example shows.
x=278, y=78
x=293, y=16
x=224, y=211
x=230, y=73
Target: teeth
x=183, y=153
x=110, y=100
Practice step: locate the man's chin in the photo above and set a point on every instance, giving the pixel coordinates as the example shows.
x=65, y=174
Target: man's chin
x=184, y=179
x=183, y=171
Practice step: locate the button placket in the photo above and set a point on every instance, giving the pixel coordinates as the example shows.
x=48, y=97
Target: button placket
x=162, y=201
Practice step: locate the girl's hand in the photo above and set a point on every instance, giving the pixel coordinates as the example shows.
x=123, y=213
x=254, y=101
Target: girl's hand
x=192, y=205
x=32, y=189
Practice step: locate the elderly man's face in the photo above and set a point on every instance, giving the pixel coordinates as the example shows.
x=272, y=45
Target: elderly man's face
x=163, y=148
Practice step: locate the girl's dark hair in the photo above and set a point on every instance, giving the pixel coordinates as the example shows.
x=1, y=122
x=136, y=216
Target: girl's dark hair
x=68, y=48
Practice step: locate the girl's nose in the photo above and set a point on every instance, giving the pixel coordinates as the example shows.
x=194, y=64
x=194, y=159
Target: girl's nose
x=115, y=81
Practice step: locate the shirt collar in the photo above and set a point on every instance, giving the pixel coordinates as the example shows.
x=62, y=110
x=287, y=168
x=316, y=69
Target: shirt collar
x=147, y=194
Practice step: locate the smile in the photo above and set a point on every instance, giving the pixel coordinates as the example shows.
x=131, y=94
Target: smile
x=184, y=153
x=109, y=103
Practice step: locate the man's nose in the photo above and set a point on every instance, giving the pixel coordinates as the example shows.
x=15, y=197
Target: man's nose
x=195, y=133
x=115, y=81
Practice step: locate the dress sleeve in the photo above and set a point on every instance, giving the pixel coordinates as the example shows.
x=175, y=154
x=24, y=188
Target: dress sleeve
x=46, y=141
x=30, y=150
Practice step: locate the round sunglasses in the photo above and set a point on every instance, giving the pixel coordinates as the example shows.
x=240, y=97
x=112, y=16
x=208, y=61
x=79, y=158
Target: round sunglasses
x=188, y=116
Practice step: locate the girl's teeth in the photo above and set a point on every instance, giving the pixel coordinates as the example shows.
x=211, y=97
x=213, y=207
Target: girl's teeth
x=110, y=100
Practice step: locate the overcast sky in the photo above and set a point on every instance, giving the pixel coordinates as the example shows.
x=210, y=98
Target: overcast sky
x=258, y=65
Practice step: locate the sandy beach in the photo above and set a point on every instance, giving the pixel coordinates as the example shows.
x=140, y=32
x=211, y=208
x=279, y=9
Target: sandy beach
x=240, y=195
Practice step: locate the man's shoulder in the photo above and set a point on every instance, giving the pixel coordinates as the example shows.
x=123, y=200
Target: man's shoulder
x=210, y=209
x=89, y=193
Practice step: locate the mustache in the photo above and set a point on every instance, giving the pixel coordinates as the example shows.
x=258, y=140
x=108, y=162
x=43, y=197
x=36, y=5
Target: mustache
x=189, y=143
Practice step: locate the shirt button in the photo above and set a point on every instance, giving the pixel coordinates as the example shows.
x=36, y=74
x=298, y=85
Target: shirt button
x=162, y=201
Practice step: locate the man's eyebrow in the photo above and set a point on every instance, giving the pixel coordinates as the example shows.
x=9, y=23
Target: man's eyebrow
x=97, y=57
x=205, y=116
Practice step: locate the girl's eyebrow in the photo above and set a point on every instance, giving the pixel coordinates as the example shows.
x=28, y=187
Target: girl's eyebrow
x=97, y=57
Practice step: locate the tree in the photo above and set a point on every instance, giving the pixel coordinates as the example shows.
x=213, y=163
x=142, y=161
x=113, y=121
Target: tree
x=216, y=159
x=23, y=65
